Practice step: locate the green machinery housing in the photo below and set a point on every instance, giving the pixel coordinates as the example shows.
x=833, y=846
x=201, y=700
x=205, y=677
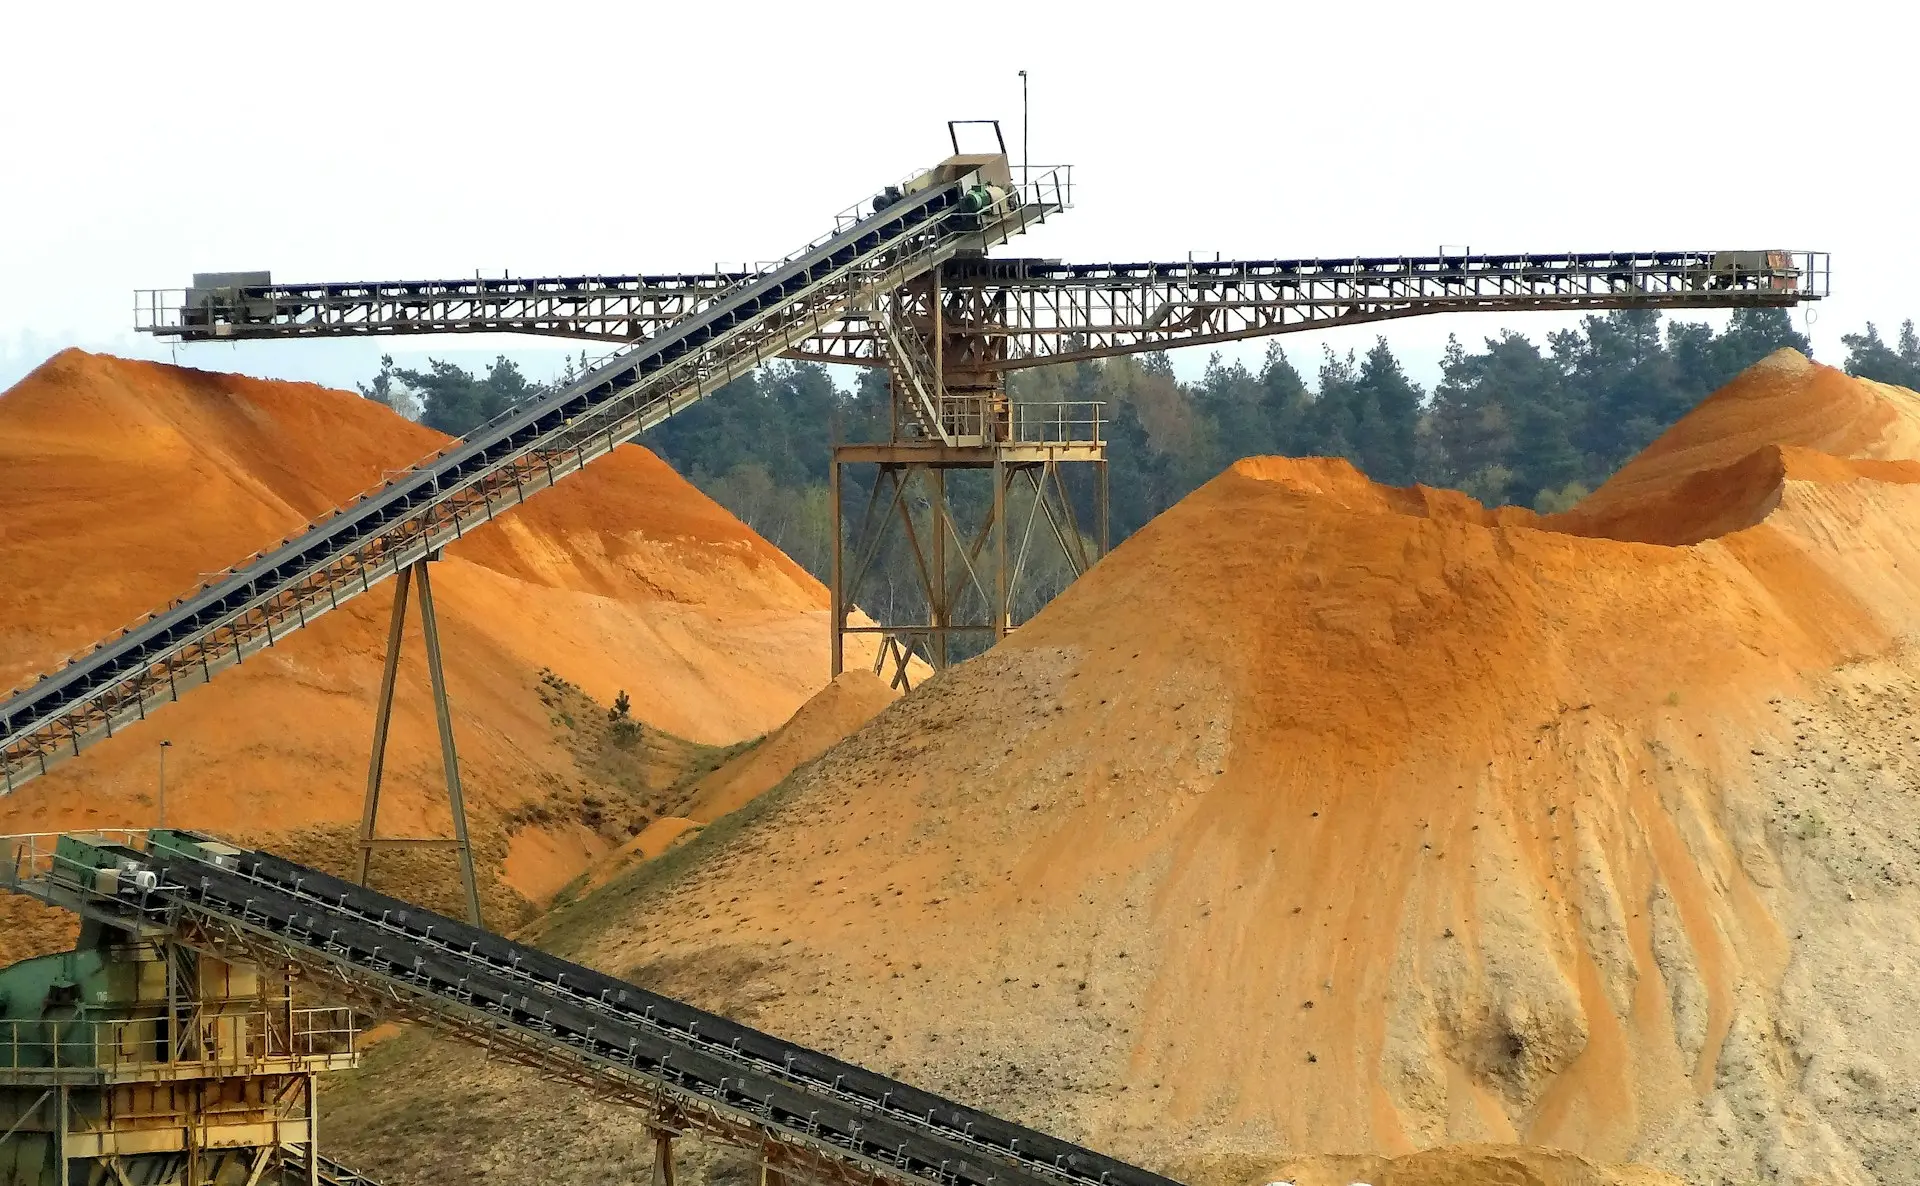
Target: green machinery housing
x=133, y=1061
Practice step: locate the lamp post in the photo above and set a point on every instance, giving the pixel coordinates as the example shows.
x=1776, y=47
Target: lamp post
x=1023, y=127
x=164, y=747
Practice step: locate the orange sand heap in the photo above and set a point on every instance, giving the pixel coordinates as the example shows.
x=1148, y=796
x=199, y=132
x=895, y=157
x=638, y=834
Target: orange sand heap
x=128, y=483
x=1329, y=818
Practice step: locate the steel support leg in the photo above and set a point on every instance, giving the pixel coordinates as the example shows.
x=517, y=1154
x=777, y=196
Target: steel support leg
x=1100, y=503
x=313, y=1123
x=938, y=607
x=430, y=627
x=382, y=717
x=414, y=579
x=836, y=595
x=662, y=1157
x=1002, y=612
x=63, y=1122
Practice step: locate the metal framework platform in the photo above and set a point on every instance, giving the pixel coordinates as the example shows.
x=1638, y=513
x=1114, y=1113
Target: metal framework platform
x=136, y=1059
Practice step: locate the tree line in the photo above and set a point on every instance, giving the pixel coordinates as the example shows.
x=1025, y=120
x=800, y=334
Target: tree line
x=1512, y=421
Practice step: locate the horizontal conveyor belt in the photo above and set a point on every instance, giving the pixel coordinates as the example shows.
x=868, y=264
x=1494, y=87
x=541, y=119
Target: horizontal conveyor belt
x=608, y=308
x=618, y=1040
x=1025, y=312
x=521, y=452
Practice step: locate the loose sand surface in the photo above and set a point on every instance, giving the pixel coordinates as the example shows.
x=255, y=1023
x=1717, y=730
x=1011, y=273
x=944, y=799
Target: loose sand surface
x=1326, y=818
x=850, y=701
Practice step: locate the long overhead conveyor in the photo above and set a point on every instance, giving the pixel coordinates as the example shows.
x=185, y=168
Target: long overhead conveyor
x=1030, y=311
x=810, y=1115
x=964, y=205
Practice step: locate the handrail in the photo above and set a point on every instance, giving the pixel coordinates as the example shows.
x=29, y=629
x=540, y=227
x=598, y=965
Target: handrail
x=224, y=1039
x=1059, y=422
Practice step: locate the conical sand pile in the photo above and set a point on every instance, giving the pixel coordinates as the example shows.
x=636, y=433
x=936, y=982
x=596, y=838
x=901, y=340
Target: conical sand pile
x=1330, y=818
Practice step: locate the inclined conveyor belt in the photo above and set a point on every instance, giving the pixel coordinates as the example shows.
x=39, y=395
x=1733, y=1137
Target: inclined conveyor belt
x=519, y=453
x=482, y=986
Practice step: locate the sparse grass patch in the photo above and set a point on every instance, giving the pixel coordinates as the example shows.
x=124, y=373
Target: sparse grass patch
x=566, y=927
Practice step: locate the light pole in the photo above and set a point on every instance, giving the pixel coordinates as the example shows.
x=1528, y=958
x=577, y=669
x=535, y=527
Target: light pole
x=164, y=747
x=1023, y=128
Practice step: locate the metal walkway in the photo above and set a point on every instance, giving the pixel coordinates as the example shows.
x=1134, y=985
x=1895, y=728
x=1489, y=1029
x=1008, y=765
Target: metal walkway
x=806, y=1112
x=520, y=453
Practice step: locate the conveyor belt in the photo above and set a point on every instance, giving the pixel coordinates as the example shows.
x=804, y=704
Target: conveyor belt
x=617, y=1039
x=521, y=452
x=1036, y=311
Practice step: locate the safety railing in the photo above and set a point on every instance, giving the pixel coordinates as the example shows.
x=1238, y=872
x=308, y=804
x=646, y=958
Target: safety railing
x=158, y=310
x=203, y=1041
x=1051, y=186
x=971, y=419
x=1059, y=423
x=31, y=857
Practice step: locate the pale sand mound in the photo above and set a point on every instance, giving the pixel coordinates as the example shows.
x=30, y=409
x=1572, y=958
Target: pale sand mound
x=128, y=483
x=1323, y=818
x=1714, y=473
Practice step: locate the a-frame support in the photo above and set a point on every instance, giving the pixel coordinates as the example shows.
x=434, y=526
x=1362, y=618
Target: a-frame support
x=964, y=577
x=951, y=413
x=415, y=577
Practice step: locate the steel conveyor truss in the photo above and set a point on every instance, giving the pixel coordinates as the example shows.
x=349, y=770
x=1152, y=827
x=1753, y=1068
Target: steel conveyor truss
x=807, y=1113
x=1027, y=312
x=521, y=452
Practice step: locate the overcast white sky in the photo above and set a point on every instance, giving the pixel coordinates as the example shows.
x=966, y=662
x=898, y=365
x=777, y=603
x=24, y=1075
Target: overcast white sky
x=141, y=143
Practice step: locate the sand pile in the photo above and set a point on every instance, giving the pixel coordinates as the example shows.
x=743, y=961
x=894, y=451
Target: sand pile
x=127, y=483
x=851, y=700
x=1323, y=818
